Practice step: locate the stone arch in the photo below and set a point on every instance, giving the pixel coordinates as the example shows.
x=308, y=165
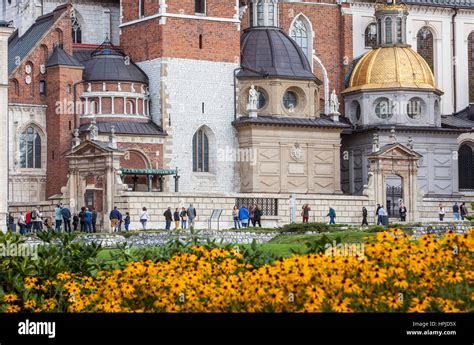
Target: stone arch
x=301, y=29
x=466, y=165
x=325, y=83
x=15, y=88
x=133, y=156
x=58, y=37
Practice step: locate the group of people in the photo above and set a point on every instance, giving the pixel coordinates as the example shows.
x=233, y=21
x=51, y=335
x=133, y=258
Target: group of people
x=181, y=218
x=459, y=211
x=244, y=216
x=117, y=220
x=33, y=221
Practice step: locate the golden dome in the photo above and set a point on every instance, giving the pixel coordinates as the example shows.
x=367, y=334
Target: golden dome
x=392, y=68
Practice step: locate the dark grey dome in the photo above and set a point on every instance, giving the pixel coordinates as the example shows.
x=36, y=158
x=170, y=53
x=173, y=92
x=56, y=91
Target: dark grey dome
x=269, y=51
x=109, y=63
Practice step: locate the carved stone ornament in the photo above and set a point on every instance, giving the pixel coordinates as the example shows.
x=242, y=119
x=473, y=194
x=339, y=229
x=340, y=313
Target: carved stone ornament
x=296, y=152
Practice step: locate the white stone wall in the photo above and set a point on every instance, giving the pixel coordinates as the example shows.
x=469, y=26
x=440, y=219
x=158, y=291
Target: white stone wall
x=97, y=18
x=439, y=21
x=26, y=185
x=178, y=89
x=348, y=208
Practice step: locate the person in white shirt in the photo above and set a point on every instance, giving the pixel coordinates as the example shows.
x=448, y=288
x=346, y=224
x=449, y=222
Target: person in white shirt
x=144, y=218
x=441, y=212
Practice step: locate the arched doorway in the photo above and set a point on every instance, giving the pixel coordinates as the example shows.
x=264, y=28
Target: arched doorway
x=394, y=195
x=466, y=167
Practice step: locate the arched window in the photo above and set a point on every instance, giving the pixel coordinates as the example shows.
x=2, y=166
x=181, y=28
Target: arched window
x=260, y=13
x=15, y=89
x=200, y=151
x=466, y=167
x=470, y=59
x=300, y=32
x=424, y=39
x=388, y=31
x=399, y=31
x=371, y=35
x=30, y=149
x=131, y=107
x=93, y=108
x=76, y=28
x=44, y=49
x=59, y=37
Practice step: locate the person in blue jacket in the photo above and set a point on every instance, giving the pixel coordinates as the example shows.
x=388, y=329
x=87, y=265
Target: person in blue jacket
x=244, y=216
x=88, y=221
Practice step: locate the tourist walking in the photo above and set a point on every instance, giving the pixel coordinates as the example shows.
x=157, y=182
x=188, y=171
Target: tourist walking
x=22, y=223
x=441, y=212
x=58, y=217
x=456, y=211
x=35, y=219
x=94, y=220
x=364, y=216
x=114, y=219
x=168, y=218
x=176, y=219
x=127, y=221
x=380, y=215
x=191, y=216
x=463, y=210
x=403, y=212
x=66, y=213
x=257, y=216
x=88, y=219
x=184, y=218
x=82, y=219
x=332, y=215
x=75, y=221
x=305, y=213
x=244, y=216
x=144, y=218
x=235, y=217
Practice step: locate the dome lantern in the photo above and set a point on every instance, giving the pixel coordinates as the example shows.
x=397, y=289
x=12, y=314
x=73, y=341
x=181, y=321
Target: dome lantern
x=391, y=19
x=263, y=13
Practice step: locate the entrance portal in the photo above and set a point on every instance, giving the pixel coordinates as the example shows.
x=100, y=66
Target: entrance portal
x=394, y=195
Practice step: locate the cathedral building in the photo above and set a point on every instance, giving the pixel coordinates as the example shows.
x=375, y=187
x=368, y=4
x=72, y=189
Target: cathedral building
x=111, y=101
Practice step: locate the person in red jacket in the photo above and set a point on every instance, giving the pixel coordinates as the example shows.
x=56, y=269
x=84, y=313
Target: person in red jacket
x=28, y=221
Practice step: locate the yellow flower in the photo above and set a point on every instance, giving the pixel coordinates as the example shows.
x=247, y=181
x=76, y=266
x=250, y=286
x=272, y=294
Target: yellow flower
x=13, y=309
x=30, y=304
x=10, y=298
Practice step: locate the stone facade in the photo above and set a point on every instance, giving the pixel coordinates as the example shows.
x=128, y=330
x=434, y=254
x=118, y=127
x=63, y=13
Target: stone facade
x=300, y=160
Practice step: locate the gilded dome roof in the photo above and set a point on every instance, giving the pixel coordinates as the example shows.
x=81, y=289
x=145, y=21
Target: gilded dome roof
x=391, y=68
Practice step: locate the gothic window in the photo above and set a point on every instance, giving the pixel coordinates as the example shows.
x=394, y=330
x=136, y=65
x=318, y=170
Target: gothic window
x=200, y=151
x=42, y=88
x=424, y=39
x=300, y=33
x=30, y=149
x=470, y=48
x=388, y=31
x=76, y=29
x=466, y=167
x=371, y=35
x=199, y=6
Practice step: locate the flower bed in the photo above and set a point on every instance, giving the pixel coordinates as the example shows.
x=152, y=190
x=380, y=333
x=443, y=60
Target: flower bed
x=394, y=274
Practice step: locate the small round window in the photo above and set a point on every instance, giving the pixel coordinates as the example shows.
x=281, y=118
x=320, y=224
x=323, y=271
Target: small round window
x=414, y=108
x=262, y=100
x=290, y=100
x=384, y=108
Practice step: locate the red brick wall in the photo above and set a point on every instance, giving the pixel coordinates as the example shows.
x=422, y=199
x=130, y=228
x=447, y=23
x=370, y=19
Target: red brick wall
x=179, y=37
x=332, y=37
x=57, y=126
x=29, y=94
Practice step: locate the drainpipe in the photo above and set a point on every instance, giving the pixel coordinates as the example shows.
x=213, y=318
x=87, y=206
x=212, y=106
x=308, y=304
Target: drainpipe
x=453, y=22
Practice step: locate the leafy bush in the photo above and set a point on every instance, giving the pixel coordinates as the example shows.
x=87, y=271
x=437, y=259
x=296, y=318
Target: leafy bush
x=306, y=227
